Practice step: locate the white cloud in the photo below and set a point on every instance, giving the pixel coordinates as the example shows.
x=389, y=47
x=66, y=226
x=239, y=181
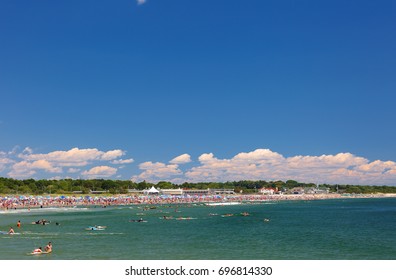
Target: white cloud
x=184, y=158
x=122, y=161
x=100, y=171
x=27, y=150
x=73, y=170
x=264, y=164
x=28, y=162
x=73, y=157
x=5, y=161
x=141, y=2
x=156, y=171
x=111, y=155
x=24, y=169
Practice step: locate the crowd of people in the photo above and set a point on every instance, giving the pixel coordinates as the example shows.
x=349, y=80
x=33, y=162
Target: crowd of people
x=28, y=202
x=47, y=249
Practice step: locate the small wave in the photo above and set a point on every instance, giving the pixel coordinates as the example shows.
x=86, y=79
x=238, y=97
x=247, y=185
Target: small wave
x=41, y=233
x=41, y=210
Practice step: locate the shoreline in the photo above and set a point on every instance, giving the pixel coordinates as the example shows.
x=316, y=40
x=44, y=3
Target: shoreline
x=28, y=202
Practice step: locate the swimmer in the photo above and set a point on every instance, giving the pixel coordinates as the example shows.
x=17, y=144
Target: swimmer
x=38, y=250
x=48, y=248
x=19, y=224
x=11, y=231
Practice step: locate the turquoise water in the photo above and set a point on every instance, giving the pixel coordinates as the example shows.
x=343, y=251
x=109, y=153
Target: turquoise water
x=307, y=230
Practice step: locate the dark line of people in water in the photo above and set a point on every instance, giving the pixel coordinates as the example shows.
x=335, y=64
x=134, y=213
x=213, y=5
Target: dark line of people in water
x=42, y=222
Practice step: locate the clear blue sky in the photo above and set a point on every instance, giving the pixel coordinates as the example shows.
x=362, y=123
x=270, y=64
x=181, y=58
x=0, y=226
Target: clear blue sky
x=162, y=78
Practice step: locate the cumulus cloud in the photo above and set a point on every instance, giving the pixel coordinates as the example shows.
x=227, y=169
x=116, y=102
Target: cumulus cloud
x=28, y=162
x=5, y=161
x=264, y=164
x=122, y=161
x=100, y=171
x=73, y=157
x=110, y=155
x=24, y=169
x=156, y=171
x=184, y=158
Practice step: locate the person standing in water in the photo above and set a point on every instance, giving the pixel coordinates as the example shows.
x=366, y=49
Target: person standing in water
x=19, y=224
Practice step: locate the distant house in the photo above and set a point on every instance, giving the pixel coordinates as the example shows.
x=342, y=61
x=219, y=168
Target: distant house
x=222, y=191
x=267, y=191
x=171, y=191
x=196, y=192
x=317, y=191
x=297, y=191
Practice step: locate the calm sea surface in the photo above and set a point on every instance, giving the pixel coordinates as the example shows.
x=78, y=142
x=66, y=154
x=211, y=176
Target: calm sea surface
x=307, y=230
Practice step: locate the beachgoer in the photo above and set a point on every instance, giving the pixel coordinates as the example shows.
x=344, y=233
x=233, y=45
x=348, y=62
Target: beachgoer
x=11, y=231
x=48, y=248
x=19, y=224
x=38, y=250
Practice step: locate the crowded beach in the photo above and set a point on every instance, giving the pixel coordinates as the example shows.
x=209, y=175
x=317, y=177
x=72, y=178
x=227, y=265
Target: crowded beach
x=27, y=202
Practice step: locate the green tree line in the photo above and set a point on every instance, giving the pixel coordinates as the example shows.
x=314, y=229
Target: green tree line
x=69, y=186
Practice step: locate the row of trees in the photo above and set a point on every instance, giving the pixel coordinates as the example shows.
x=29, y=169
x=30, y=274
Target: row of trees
x=68, y=186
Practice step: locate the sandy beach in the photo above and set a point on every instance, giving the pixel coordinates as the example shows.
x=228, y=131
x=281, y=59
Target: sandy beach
x=27, y=202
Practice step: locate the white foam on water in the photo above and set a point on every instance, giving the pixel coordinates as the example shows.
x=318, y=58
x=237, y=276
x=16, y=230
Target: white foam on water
x=43, y=210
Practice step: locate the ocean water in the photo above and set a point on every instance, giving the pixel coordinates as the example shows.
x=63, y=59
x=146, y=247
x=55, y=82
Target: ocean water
x=344, y=229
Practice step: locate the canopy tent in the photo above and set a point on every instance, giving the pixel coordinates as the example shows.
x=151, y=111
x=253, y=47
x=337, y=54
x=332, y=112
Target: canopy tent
x=151, y=191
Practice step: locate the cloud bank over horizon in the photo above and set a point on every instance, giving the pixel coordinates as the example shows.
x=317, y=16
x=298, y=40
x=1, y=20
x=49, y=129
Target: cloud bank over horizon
x=260, y=164
x=264, y=164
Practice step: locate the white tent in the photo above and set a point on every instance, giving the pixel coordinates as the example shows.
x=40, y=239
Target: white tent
x=151, y=191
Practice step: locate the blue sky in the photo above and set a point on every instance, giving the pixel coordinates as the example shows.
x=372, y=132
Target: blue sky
x=198, y=90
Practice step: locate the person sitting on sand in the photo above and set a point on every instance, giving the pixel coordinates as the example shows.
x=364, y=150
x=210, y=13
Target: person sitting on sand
x=48, y=248
x=11, y=231
x=38, y=250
